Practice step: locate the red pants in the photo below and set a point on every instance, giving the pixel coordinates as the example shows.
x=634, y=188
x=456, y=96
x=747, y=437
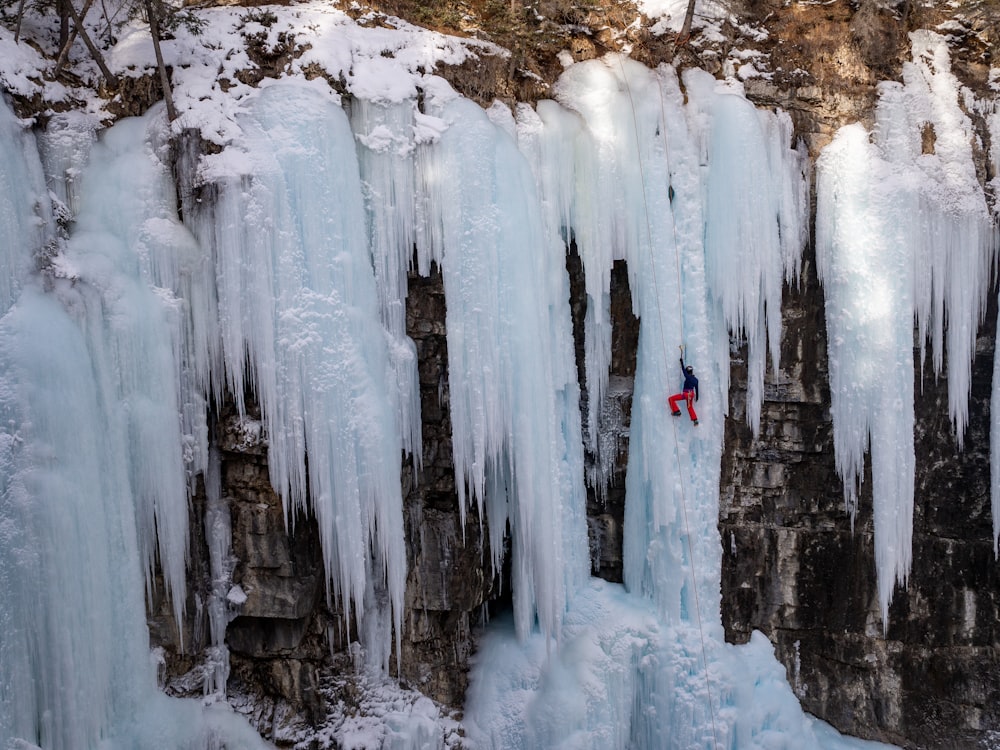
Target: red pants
x=687, y=396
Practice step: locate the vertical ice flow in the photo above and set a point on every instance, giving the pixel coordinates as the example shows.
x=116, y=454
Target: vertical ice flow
x=386, y=146
x=903, y=237
x=868, y=279
x=124, y=250
x=626, y=169
x=78, y=521
x=299, y=321
x=645, y=179
x=513, y=401
x=72, y=622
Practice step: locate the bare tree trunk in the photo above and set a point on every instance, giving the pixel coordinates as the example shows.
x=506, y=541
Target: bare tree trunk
x=94, y=52
x=63, y=22
x=154, y=31
x=20, y=15
x=685, y=32
x=70, y=35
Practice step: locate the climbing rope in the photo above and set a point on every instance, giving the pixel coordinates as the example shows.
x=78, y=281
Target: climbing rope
x=663, y=347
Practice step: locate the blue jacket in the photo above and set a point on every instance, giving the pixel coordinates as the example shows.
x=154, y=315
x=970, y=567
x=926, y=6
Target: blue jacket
x=690, y=381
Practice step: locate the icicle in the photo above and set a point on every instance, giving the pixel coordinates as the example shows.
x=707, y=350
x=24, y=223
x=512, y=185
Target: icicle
x=510, y=386
x=387, y=141
x=299, y=317
x=903, y=233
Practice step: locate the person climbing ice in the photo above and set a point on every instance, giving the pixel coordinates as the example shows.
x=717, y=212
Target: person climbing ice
x=689, y=391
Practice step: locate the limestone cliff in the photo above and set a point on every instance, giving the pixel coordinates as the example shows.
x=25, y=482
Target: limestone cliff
x=794, y=565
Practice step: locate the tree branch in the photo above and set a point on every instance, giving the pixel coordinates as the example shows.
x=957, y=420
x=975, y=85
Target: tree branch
x=685, y=32
x=20, y=15
x=94, y=52
x=64, y=52
x=154, y=31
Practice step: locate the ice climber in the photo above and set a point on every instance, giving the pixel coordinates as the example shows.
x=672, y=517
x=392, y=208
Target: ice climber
x=689, y=392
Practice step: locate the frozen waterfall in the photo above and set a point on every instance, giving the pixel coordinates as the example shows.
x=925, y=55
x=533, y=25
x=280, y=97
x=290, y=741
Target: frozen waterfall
x=93, y=479
x=286, y=283
x=904, y=239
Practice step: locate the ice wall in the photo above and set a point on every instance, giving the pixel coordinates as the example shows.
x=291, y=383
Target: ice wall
x=125, y=241
x=628, y=170
x=90, y=492
x=903, y=238
x=637, y=174
x=299, y=323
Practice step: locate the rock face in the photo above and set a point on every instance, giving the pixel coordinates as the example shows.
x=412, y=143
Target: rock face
x=449, y=578
x=794, y=567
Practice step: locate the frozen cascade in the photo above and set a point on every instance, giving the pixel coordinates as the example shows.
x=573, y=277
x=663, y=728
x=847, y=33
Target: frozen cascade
x=132, y=324
x=75, y=667
x=299, y=320
x=512, y=391
x=883, y=271
x=648, y=667
x=666, y=162
x=280, y=294
x=689, y=201
x=385, y=134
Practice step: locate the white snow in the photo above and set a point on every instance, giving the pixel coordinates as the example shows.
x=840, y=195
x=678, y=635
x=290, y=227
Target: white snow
x=624, y=679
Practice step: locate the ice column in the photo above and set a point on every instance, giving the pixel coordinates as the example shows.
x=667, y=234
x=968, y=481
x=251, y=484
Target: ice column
x=756, y=222
x=386, y=147
x=124, y=236
x=71, y=614
x=64, y=519
x=512, y=400
x=903, y=234
x=299, y=320
x=78, y=520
